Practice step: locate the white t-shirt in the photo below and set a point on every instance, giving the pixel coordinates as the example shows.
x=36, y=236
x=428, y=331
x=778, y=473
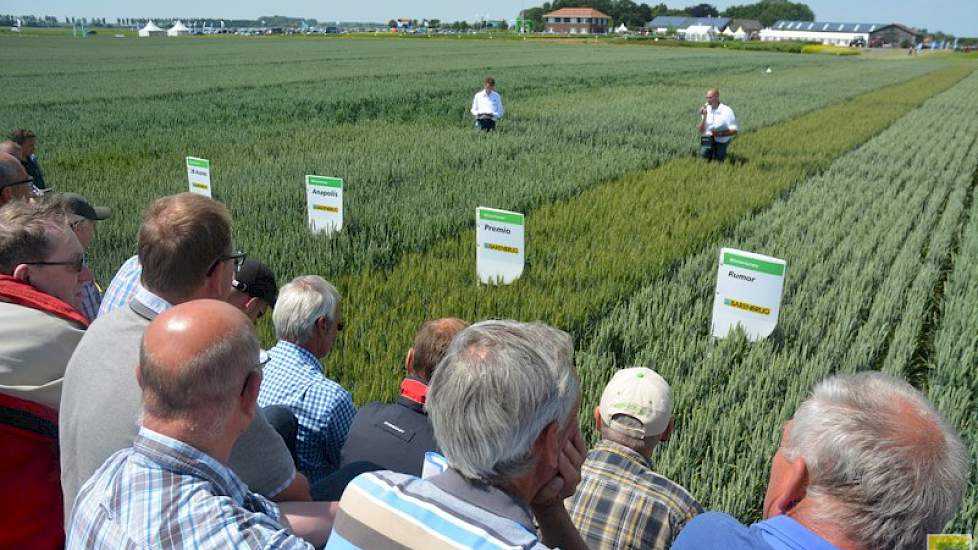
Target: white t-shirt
x=719, y=119
x=488, y=104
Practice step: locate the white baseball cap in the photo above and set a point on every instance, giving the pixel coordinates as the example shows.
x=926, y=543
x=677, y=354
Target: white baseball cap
x=641, y=393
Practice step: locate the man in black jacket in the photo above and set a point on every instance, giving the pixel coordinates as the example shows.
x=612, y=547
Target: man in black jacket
x=396, y=436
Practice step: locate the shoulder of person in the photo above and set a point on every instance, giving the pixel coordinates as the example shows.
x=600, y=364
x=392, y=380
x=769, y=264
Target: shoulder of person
x=714, y=530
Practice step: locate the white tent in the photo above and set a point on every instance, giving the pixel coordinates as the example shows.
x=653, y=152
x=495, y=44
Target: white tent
x=741, y=34
x=728, y=32
x=179, y=29
x=700, y=33
x=151, y=30
x=622, y=29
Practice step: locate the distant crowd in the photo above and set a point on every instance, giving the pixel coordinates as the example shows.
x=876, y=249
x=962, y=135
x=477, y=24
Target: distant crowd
x=146, y=415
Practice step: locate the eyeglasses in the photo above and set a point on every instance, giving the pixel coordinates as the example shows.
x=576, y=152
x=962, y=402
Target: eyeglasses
x=238, y=256
x=339, y=325
x=74, y=266
x=263, y=359
x=29, y=179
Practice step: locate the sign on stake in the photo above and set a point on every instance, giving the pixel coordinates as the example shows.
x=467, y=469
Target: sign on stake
x=199, y=176
x=324, y=203
x=500, y=249
x=748, y=293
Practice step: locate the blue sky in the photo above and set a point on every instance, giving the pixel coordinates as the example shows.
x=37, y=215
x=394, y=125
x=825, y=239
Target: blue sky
x=959, y=17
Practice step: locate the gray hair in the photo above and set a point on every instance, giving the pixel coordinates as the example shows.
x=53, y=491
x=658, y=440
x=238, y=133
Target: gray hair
x=499, y=386
x=884, y=466
x=300, y=303
x=199, y=391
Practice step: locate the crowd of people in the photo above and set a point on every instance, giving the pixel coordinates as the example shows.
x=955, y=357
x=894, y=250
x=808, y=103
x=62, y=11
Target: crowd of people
x=149, y=416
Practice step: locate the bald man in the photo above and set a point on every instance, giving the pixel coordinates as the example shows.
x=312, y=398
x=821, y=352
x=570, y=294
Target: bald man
x=200, y=368
x=717, y=127
x=14, y=181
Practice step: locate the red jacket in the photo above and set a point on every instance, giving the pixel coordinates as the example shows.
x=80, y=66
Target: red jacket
x=30, y=482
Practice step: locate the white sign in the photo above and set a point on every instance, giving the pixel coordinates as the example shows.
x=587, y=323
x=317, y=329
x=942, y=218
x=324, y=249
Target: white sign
x=500, y=251
x=199, y=175
x=324, y=203
x=748, y=293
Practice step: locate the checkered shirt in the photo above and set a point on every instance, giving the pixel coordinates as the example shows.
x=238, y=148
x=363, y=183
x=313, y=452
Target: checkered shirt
x=162, y=493
x=295, y=380
x=123, y=286
x=621, y=503
x=91, y=299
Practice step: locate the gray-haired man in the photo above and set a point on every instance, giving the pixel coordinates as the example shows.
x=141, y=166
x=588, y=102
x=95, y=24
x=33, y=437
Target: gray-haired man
x=308, y=319
x=503, y=404
x=866, y=463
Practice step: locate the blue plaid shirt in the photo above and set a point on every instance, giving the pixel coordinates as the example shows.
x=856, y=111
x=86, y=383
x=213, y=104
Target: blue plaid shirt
x=123, y=286
x=162, y=493
x=295, y=380
x=91, y=299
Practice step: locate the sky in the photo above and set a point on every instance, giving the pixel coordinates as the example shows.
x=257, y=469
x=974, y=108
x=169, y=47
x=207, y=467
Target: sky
x=958, y=17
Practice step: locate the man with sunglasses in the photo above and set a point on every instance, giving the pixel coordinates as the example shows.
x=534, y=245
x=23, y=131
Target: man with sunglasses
x=15, y=183
x=186, y=253
x=40, y=289
x=83, y=217
x=307, y=321
x=200, y=368
x=254, y=290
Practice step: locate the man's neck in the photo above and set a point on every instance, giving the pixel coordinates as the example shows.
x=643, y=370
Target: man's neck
x=219, y=448
x=308, y=345
x=522, y=488
x=805, y=515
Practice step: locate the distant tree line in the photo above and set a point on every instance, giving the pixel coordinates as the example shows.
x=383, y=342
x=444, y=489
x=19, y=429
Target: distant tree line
x=638, y=15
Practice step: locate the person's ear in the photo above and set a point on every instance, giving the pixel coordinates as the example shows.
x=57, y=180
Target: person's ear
x=668, y=433
x=793, y=489
x=548, y=445
x=409, y=361
x=251, y=306
x=216, y=281
x=22, y=273
x=249, y=397
x=598, y=423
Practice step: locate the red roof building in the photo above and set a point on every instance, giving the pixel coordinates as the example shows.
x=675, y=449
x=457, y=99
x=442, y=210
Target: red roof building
x=576, y=21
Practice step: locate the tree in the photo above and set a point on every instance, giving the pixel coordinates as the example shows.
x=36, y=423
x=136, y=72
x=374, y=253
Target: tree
x=769, y=11
x=703, y=10
x=434, y=23
x=392, y=24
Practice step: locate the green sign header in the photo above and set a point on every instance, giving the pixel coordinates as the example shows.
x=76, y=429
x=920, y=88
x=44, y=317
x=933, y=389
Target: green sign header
x=323, y=181
x=761, y=266
x=504, y=217
x=198, y=163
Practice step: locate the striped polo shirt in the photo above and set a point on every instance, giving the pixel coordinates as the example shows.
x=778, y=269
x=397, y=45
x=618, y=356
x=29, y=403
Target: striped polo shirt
x=388, y=510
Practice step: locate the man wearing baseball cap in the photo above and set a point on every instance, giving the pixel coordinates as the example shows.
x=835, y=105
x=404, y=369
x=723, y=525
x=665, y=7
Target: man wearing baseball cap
x=621, y=502
x=82, y=218
x=254, y=290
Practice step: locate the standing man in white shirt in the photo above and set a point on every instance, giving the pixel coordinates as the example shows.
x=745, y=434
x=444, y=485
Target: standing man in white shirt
x=717, y=127
x=487, y=106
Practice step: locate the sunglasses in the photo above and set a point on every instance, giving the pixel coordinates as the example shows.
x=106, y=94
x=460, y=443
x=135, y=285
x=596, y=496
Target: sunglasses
x=74, y=266
x=238, y=256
